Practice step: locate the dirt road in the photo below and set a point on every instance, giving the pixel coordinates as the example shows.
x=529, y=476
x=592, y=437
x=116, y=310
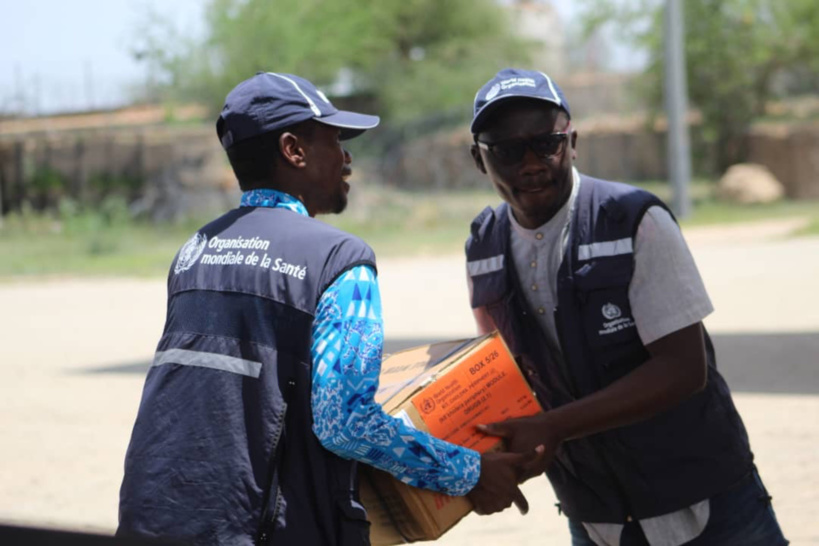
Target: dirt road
x=73, y=354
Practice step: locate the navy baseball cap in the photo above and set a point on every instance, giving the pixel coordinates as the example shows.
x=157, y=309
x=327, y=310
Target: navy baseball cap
x=268, y=102
x=514, y=83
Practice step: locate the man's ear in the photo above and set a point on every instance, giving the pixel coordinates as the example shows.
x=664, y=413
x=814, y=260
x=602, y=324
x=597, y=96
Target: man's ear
x=574, y=145
x=476, y=156
x=292, y=150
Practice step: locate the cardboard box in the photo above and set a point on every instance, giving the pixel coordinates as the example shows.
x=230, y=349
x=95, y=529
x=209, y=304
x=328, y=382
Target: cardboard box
x=446, y=389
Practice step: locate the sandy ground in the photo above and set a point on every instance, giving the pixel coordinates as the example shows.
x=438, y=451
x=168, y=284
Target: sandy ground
x=72, y=354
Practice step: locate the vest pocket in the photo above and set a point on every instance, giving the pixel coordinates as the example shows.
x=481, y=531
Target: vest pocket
x=607, y=317
x=607, y=321
x=602, y=288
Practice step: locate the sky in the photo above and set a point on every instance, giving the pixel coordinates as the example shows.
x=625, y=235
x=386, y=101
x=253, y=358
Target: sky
x=58, y=56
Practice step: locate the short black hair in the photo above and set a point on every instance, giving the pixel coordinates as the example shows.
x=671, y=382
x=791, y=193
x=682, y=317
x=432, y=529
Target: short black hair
x=254, y=159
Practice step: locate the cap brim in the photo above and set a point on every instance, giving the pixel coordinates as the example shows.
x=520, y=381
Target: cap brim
x=351, y=124
x=490, y=107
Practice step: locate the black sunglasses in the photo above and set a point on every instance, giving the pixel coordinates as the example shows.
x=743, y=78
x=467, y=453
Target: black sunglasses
x=511, y=152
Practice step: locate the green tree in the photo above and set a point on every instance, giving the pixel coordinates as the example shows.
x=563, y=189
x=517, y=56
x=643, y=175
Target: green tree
x=736, y=53
x=411, y=56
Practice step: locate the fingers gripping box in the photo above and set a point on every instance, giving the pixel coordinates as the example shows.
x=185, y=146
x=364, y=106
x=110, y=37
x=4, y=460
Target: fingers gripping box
x=445, y=389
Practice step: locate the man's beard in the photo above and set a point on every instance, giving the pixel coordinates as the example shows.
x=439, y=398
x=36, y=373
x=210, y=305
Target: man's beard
x=339, y=203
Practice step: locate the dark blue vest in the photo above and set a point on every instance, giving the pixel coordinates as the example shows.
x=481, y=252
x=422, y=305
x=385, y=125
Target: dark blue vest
x=654, y=467
x=223, y=451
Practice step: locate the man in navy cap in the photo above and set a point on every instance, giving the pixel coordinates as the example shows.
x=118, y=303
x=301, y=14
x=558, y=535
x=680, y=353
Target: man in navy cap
x=259, y=402
x=595, y=291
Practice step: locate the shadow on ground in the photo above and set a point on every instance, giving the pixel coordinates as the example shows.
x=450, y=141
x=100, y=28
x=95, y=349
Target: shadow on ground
x=754, y=363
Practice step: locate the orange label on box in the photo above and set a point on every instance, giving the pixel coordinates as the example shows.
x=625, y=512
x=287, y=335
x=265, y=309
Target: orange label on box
x=485, y=388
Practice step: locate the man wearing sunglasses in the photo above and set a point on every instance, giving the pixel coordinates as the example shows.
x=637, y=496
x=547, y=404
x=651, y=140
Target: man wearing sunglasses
x=596, y=293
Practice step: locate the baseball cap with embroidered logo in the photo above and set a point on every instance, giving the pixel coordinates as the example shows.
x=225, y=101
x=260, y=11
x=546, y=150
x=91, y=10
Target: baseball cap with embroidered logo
x=515, y=83
x=269, y=101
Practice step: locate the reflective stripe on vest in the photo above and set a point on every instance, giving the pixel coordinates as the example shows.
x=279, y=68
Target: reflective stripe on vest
x=215, y=361
x=488, y=265
x=605, y=248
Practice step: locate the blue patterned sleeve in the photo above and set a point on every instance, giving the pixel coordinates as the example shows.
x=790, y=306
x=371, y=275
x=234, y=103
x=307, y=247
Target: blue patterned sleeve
x=348, y=338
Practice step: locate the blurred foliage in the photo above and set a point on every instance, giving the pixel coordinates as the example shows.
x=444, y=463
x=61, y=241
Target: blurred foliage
x=48, y=189
x=810, y=229
x=410, y=56
x=739, y=55
x=126, y=187
x=105, y=240
x=46, y=180
x=100, y=228
x=77, y=239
